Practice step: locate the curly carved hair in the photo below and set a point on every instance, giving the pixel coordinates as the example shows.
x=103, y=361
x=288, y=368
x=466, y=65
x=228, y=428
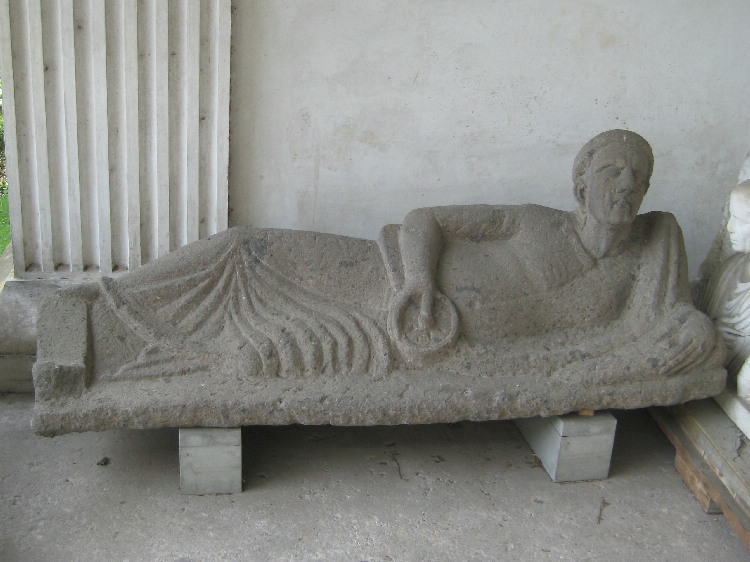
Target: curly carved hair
x=582, y=161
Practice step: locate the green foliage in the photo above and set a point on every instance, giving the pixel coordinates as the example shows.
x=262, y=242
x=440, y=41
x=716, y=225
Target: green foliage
x=2, y=134
x=4, y=222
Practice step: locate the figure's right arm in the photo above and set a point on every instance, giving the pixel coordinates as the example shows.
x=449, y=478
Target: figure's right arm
x=421, y=240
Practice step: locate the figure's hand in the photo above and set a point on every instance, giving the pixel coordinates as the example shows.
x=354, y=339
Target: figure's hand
x=422, y=321
x=424, y=296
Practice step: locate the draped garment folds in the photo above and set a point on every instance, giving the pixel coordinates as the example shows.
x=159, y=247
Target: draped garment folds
x=727, y=303
x=281, y=303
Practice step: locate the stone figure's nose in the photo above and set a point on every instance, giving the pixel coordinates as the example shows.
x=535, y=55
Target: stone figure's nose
x=626, y=179
x=731, y=225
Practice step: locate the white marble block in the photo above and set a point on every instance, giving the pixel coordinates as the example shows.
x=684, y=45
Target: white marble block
x=572, y=447
x=210, y=460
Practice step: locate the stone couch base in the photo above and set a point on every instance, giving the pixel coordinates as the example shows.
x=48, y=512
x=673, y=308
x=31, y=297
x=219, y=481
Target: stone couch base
x=402, y=397
x=210, y=336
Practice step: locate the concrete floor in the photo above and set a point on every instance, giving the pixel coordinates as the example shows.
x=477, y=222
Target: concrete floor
x=468, y=491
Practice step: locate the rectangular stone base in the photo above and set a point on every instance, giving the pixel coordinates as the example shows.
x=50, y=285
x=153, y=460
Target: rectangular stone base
x=572, y=447
x=210, y=460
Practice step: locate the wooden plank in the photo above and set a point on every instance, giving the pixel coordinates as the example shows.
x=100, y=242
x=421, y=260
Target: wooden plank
x=696, y=480
x=682, y=432
x=720, y=443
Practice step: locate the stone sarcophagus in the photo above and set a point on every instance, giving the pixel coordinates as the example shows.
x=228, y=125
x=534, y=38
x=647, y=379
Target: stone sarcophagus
x=472, y=312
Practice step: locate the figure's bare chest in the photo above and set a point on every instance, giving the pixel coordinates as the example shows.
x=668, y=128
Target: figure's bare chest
x=521, y=287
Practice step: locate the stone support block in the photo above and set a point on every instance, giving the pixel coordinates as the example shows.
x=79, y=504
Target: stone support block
x=572, y=447
x=210, y=460
x=20, y=301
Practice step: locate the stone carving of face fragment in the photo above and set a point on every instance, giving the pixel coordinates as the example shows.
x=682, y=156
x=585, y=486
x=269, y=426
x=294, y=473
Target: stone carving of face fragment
x=738, y=227
x=611, y=176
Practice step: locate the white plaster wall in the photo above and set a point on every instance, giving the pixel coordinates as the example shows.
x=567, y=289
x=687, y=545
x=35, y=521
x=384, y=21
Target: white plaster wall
x=345, y=114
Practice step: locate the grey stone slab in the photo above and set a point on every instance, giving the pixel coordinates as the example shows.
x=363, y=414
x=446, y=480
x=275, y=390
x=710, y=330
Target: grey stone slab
x=566, y=458
x=210, y=461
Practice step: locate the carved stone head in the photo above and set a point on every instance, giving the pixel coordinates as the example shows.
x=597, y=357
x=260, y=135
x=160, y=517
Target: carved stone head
x=738, y=226
x=611, y=176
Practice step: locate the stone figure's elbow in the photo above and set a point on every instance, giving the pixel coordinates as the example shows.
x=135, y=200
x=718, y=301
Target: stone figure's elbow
x=418, y=218
x=421, y=227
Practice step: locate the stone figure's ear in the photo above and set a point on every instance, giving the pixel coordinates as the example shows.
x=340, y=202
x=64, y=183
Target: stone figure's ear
x=580, y=167
x=579, y=190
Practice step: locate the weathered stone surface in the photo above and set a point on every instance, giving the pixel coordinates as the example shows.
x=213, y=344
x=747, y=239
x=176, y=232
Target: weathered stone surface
x=19, y=302
x=461, y=313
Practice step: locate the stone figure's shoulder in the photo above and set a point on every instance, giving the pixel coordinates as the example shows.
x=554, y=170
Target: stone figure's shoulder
x=534, y=211
x=660, y=218
x=658, y=226
x=520, y=220
x=541, y=216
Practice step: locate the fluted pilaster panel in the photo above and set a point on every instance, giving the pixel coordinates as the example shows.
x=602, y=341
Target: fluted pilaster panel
x=117, y=127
